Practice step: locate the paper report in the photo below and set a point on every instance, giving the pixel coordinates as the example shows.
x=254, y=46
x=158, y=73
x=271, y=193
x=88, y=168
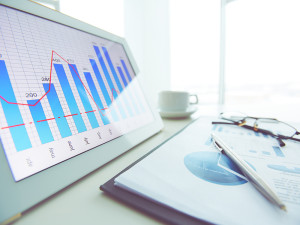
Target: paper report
x=187, y=173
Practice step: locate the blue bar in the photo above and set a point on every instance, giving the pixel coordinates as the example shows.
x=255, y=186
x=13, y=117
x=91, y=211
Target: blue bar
x=111, y=66
x=40, y=122
x=63, y=80
x=130, y=79
x=96, y=97
x=266, y=153
x=129, y=90
x=57, y=111
x=256, y=134
x=12, y=112
x=103, y=89
x=122, y=76
x=124, y=96
x=83, y=96
x=112, y=69
x=278, y=151
x=126, y=70
x=220, y=129
x=109, y=81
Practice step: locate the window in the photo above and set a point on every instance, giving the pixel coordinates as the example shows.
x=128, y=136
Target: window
x=262, y=50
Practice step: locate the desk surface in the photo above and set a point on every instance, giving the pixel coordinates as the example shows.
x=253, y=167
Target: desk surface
x=84, y=203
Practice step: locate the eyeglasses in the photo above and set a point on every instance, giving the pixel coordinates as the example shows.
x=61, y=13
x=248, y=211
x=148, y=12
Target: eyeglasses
x=268, y=126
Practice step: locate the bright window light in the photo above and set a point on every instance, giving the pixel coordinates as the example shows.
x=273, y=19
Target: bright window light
x=107, y=15
x=262, y=51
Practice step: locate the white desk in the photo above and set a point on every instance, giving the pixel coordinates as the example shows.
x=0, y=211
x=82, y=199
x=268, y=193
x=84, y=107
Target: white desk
x=84, y=203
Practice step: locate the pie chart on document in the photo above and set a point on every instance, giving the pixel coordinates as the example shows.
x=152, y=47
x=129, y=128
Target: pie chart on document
x=214, y=167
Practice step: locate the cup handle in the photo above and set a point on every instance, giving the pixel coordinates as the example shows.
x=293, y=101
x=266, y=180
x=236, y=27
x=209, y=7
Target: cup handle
x=196, y=99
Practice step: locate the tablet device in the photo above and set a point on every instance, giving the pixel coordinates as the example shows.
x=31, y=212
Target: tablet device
x=70, y=101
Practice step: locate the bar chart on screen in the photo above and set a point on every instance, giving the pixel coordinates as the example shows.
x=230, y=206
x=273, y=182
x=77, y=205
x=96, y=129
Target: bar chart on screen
x=62, y=98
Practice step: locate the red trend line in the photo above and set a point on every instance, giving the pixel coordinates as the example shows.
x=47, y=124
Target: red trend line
x=45, y=120
x=71, y=115
x=90, y=111
x=51, y=66
x=13, y=126
x=112, y=94
x=100, y=110
x=16, y=103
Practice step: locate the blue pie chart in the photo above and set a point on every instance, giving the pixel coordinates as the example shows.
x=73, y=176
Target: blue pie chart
x=214, y=167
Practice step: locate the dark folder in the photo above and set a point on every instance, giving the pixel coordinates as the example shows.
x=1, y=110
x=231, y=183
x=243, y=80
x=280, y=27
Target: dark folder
x=159, y=211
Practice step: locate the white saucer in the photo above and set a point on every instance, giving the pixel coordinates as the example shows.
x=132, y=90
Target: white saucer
x=178, y=114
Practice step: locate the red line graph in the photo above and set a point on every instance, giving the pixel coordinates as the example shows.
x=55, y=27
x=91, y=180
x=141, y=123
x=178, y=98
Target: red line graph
x=45, y=120
x=13, y=126
x=71, y=115
x=50, y=76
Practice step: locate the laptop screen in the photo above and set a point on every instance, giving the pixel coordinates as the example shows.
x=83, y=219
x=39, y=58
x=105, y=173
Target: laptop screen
x=62, y=92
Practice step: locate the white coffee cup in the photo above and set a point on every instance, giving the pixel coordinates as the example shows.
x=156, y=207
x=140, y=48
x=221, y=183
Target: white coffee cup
x=175, y=100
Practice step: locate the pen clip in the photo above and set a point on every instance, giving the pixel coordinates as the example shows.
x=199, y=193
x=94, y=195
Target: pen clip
x=217, y=146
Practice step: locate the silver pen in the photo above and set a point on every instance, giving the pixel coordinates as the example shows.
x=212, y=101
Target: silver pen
x=250, y=173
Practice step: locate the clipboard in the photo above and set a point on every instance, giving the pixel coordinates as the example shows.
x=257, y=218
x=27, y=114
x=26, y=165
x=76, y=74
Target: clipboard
x=224, y=198
x=154, y=209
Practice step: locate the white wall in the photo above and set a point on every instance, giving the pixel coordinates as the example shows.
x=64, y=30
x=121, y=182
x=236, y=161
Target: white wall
x=147, y=33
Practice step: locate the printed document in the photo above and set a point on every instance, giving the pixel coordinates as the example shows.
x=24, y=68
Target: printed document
x=189, y=174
